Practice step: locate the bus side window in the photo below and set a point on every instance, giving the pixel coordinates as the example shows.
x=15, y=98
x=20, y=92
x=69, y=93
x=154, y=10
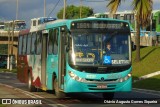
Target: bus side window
x=55, y=44
x=50, y=42
x=33, y=45
x=29, y=44
x=39, y=43
x=24, y=46
x=20, y=45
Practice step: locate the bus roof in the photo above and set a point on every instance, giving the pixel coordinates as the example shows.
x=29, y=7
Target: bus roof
x=68, y=21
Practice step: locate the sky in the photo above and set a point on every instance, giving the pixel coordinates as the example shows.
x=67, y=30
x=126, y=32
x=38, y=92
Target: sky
x=29, y=9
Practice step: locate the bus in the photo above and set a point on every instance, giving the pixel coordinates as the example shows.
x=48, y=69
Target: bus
x=68, y=56
x=149, y=36
x=18, y=25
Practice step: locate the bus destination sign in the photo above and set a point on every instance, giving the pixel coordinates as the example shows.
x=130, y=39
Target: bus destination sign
x=99, y=25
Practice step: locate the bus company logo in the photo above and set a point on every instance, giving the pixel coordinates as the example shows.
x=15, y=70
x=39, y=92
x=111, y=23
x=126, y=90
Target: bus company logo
x=6, y=101
x=102, y=79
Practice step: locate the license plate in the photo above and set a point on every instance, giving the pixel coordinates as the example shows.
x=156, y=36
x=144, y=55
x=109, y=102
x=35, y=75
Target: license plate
x=101, y=86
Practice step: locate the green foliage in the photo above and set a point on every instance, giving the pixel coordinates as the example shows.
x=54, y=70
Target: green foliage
x=7, y=70
x=113, y=5
x=73, y=12
x=143, y=10
x=2, y=105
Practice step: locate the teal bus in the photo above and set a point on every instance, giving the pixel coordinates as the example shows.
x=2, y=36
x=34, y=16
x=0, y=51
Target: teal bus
x=70, y=56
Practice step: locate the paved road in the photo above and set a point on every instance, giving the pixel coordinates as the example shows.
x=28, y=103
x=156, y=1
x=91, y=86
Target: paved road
x=12, y=85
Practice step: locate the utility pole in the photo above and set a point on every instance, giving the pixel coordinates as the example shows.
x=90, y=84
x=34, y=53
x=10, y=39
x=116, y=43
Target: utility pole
x=44, y=8
x=17, y=11
x=11, y=58
x=80, y=8
x=8, y=59
x=64, y=10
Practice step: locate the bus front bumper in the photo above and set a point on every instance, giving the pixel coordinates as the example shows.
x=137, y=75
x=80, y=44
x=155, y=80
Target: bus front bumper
x=76, y=86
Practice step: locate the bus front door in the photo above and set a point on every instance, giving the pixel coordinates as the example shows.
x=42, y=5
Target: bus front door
x=62, y=60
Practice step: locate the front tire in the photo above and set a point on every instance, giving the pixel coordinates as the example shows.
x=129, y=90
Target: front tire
x=58, y=93
x=108, y=95
x=31, y=88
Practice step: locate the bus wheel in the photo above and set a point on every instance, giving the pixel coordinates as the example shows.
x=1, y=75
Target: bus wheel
x=31, y=88
x=108, y=95
x=58, y=93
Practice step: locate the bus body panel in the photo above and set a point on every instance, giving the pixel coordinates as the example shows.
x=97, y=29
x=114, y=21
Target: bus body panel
x=34, y=62
x=22, y=66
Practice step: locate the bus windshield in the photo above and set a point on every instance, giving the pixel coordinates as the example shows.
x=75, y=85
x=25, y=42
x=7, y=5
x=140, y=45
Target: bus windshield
x=99, y=49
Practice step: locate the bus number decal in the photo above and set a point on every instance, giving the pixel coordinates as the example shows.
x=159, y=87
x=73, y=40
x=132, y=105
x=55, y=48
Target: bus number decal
x=90, y=76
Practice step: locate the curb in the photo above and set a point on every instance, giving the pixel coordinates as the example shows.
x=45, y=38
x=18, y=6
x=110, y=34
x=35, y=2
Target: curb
x=148, y=91
x=150, y=75
x=147, y=76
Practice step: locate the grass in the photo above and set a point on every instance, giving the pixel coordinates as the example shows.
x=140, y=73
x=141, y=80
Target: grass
x=1, y=105
x=150, y=83
x=6, y=70
x=149, y=63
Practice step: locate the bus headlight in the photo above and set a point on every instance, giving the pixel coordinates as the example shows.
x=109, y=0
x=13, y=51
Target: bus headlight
x=125, y=78
x=75, y=77
x=71, y=74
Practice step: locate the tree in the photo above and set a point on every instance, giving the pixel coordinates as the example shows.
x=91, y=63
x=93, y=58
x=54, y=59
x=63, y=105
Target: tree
x=143, y=10
x=113, y=5
x=73, y=12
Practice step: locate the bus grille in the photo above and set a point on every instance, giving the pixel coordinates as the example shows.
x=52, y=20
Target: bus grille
x=99, y=80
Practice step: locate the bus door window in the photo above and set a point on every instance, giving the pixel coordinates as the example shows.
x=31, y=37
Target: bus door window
x=39, y=43
x=24, y=46
x=33, y=45
x=55, y=42
x=29, y=44
x=20, y=45
x=50, y=42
